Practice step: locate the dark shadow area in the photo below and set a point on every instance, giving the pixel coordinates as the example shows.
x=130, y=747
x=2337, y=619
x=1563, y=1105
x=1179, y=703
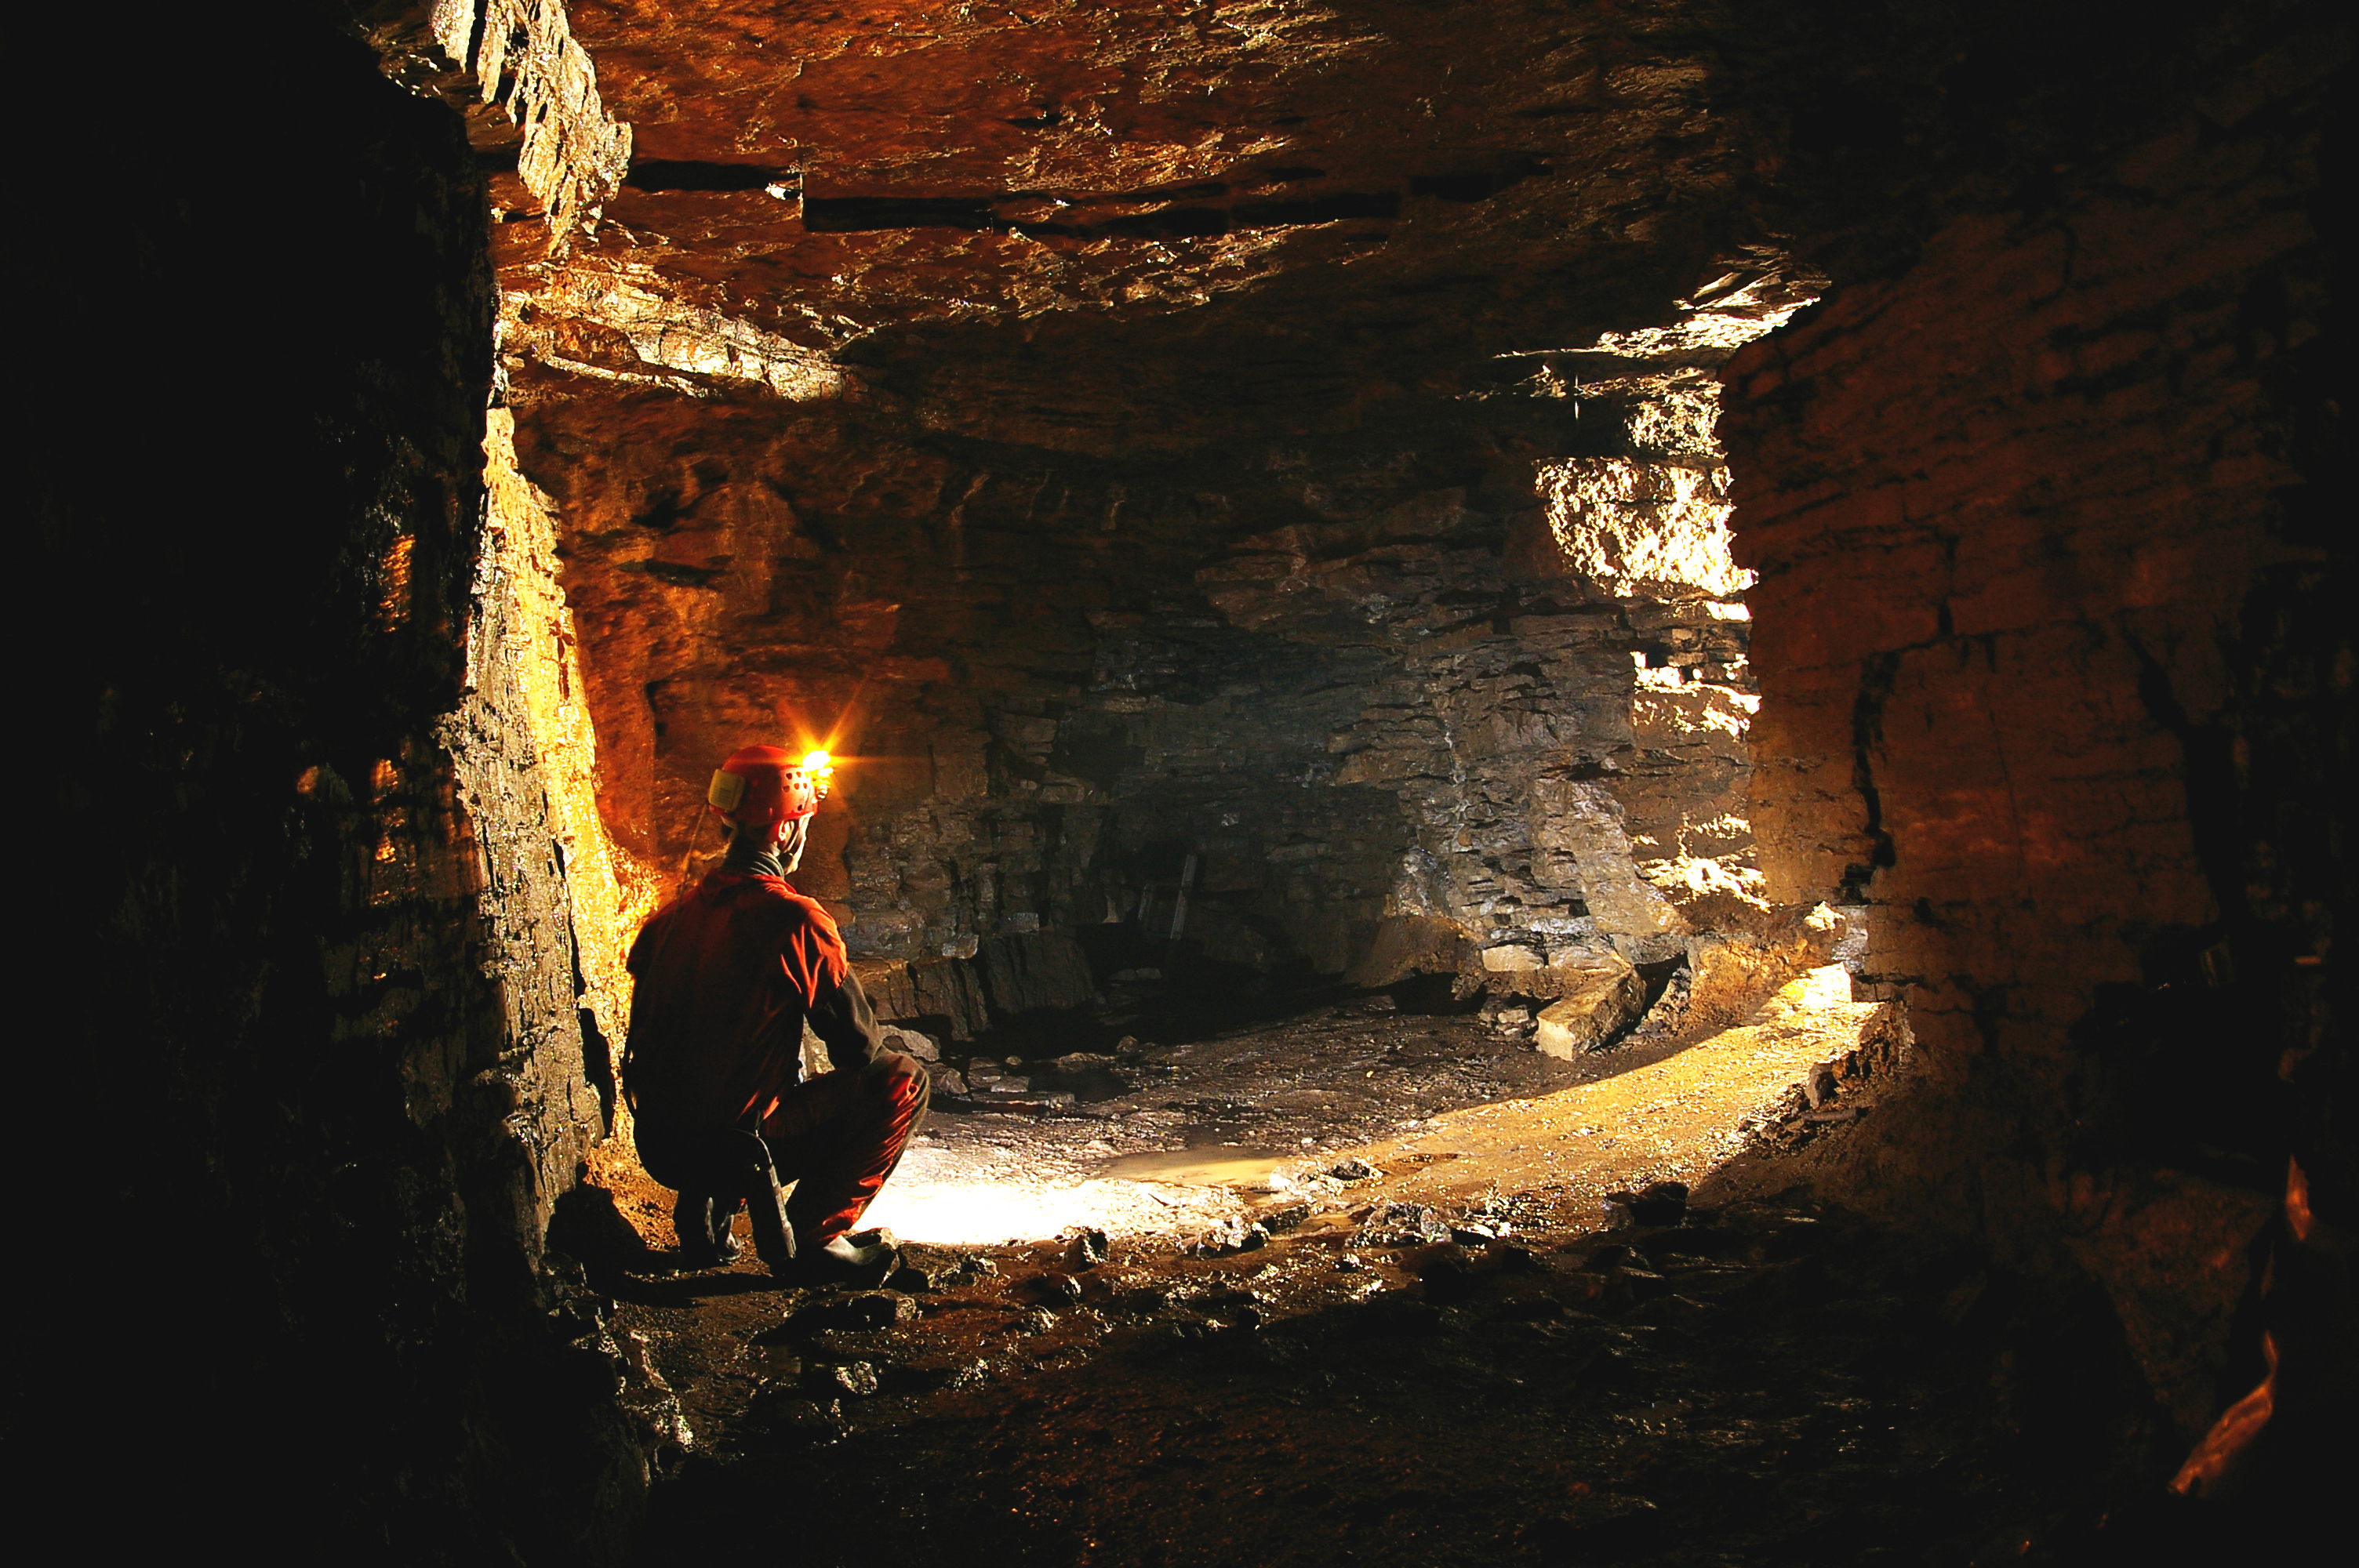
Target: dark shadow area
x=325, y=1329
x=675, y=174
x=1772, y=1382
x=1434, y=995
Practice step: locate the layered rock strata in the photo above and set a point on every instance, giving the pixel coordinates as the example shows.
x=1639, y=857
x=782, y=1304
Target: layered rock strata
x=1234, y=479
x=1430, y=670
x=1407, y=705
x=943, y=384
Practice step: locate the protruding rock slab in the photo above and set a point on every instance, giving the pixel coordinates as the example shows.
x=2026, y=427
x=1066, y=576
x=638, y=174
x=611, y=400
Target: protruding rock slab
x=1602, y=993
x=1732, y=974
x=1406, y=944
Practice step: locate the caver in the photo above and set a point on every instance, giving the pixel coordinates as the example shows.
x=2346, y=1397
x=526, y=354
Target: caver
x=727, y=976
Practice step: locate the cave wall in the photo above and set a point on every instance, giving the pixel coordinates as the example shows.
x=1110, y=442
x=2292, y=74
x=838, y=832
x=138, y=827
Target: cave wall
x=2055, y=672
x=1371, y=681
x=1132, y=440
x=320, y=1074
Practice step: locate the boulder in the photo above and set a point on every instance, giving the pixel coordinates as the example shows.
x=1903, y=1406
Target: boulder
x=1032, y=970
x=1732, y=974
x=946, y=990
x=1603, y=994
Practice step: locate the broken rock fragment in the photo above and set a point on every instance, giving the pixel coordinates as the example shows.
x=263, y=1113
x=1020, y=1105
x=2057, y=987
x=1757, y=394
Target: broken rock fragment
x=1603, y=993
x=1818, y=1084
x=1232, y=1236
x=910, y=1041
x=857, y=1379
x=1404, y=1225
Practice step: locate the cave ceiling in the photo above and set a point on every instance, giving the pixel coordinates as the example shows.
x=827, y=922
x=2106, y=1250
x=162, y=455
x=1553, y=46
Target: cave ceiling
x=1116, y=227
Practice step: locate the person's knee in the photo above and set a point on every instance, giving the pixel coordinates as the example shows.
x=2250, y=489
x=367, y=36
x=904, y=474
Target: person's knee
x=905, y=1083
x=894, y=1072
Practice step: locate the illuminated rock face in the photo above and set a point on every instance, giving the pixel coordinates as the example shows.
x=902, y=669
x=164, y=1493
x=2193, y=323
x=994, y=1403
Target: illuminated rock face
x=1022, y=403
x=829, y=176
x=1159, y=463
x=1603, y=995
x=1366, y=664
x=1175, y=471
x=1058, y=678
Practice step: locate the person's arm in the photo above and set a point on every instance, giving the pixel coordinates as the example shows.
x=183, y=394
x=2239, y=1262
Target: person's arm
x=832, y=996
x=846, y=1024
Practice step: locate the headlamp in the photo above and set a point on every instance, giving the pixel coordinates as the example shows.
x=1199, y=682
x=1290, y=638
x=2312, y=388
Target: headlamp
x=763, y=784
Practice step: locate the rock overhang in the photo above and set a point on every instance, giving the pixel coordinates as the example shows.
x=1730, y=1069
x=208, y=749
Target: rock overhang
x=1291, y=212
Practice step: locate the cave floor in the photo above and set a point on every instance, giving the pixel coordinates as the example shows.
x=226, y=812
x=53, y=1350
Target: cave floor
x=1772, y=1379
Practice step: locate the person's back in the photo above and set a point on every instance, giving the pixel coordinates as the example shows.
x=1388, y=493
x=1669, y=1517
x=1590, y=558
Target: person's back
x=724, y=979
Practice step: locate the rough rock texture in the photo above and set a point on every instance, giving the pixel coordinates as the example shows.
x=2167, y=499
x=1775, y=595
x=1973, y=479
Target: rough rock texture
x=2055, y=673
x=1214, y=507
x=317, y=1078
x=1378, y=712
x=1729, y=974
x=522, y=608
x=530, y=95
x=1266, y=441
x=828, y=176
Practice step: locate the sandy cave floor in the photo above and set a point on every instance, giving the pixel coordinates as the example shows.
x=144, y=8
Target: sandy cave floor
x=1465, y=1356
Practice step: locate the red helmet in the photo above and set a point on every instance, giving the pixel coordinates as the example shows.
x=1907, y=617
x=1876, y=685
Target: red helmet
x=762, y=785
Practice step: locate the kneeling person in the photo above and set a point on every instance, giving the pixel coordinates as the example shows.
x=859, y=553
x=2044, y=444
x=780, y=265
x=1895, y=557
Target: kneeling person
x=726, y=977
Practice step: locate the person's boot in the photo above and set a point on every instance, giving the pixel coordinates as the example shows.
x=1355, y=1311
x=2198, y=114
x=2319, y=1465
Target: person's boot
x=701, y=1223
x=724, y=1243
x=843, y=1261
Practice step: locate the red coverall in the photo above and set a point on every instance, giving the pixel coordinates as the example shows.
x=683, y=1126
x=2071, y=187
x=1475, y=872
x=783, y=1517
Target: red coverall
x=725, y=979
